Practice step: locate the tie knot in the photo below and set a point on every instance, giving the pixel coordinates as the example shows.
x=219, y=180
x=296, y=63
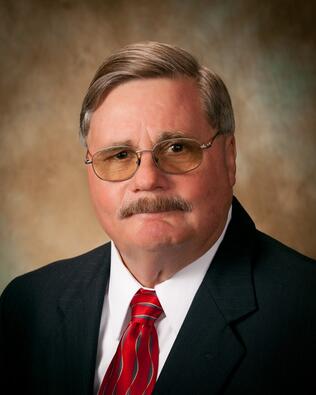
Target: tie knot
x=145, y=306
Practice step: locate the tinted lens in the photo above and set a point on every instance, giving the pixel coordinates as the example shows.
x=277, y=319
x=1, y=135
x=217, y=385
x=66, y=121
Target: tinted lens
x=178, y=155
x=115, y=164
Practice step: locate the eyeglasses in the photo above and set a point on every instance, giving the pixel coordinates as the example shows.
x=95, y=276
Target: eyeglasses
x=173, y=156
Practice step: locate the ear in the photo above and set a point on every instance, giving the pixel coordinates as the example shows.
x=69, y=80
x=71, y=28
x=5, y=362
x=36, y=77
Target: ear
x=230, y=158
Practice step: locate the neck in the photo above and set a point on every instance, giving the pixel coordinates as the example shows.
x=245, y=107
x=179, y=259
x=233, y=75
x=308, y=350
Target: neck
x=151, y=267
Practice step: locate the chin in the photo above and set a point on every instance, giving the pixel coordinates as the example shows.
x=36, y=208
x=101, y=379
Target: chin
x=151, y=231
x=159, y=237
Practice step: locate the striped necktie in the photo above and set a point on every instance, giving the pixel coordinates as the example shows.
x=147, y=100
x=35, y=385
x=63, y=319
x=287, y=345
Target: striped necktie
x=133, y=370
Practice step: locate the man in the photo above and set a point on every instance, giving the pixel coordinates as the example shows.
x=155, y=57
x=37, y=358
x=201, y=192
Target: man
x=217, y=306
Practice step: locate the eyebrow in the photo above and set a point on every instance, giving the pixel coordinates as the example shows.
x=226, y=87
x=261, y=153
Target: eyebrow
x=169, y=135
x=166, y=135
x=122, y=143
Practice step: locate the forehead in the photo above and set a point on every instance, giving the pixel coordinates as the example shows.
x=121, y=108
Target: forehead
x=150, y=106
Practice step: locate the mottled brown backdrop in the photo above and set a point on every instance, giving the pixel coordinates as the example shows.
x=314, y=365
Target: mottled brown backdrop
x=265, y=51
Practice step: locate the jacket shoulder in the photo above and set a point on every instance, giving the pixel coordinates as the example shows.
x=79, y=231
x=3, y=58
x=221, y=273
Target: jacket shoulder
x=268, y=249
x=280, y=271
x=57, y=275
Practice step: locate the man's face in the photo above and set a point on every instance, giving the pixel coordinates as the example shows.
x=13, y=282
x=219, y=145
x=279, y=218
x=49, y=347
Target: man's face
x=141, y=111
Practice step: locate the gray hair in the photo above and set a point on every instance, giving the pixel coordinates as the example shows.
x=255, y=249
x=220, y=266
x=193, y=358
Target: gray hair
x=154, y=60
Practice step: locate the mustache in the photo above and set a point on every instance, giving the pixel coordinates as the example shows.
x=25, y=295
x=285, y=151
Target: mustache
x=156, y=205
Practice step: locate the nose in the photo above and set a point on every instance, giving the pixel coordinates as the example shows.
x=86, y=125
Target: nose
x=148, y=177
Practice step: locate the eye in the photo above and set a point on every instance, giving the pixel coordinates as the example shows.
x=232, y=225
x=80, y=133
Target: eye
x=177, y=147
x=121, y=155
x=114, y=155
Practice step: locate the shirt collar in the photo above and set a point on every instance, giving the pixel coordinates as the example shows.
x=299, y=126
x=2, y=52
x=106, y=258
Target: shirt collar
x=122, y=288
x=175, y=294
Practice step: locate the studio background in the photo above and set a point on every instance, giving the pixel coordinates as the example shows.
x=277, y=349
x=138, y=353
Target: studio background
x=264, y=51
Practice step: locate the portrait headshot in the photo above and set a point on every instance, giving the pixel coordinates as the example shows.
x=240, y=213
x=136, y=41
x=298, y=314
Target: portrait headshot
x=158, y=198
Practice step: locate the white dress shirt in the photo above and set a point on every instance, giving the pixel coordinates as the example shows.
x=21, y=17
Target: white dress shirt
x=175, y=295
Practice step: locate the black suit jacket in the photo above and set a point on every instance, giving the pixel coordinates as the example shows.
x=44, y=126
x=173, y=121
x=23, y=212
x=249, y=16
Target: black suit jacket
x=251, y=328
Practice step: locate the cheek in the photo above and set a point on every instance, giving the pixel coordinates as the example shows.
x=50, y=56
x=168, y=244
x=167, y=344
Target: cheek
x=209, y=190
x=104, y=196
x=204, y=183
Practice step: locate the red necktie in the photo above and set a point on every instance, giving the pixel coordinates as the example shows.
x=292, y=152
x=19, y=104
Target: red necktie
x=133, y=370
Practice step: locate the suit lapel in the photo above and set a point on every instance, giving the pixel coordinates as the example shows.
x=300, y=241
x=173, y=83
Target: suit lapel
x=207, y=349
x=80, y=308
